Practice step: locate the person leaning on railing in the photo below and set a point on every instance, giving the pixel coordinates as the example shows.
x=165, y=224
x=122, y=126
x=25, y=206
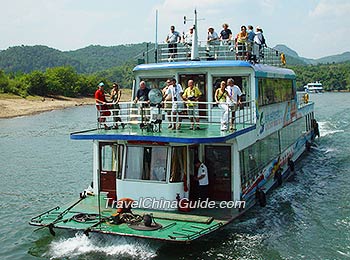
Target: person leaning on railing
x=225, y=35
x=142, y=95
x=101, y=105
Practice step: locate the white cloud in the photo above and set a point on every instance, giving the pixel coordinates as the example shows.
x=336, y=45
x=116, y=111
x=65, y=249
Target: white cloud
x=330, y=9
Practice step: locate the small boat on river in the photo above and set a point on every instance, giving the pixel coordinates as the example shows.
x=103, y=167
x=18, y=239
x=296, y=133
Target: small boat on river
x=144, y=176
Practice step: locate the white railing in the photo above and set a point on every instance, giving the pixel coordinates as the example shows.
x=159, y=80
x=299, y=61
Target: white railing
x=220, y=51
x=141, y=114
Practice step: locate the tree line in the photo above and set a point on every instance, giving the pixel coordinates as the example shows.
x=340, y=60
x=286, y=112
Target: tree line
x=334, y=77
x=66, y=81
x=63, y=80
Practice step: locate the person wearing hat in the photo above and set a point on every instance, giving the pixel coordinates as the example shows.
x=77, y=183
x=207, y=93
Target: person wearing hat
x=259, y=43
x=101, y=105
x=202, y=178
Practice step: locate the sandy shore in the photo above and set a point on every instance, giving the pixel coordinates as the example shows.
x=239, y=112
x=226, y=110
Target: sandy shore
x=12, y=107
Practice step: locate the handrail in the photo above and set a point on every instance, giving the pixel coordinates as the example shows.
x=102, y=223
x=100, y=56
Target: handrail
x=128, y=114
x=221, y=51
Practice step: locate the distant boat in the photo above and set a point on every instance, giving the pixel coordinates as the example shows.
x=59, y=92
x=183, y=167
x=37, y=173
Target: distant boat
x=315, y=87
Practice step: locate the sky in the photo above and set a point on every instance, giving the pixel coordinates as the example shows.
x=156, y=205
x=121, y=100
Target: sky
x=313, y=28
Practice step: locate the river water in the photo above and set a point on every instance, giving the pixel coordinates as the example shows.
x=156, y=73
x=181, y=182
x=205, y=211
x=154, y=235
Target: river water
x=307, y=218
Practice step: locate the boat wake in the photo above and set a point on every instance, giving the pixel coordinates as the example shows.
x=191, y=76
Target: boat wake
x=326, y=128
x=81, y=245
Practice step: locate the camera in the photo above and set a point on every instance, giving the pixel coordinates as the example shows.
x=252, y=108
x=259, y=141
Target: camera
x=192, y=98
x=175, y=98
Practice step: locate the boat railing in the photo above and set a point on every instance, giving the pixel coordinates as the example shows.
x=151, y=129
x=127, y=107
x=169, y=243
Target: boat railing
x=220, y=51
x=129, y=114
x=303, y=99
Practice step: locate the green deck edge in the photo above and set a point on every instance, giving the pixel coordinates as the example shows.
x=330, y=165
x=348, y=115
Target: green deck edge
x=176, y=227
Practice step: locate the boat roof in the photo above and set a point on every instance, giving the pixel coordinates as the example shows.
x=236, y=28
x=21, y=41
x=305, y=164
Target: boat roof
x=185, y=136
x=260, y=70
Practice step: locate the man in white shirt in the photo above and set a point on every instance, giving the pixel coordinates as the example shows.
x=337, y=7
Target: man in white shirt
x=175, y=90
x=203, y=180
x=172, y=39
x=233, y=100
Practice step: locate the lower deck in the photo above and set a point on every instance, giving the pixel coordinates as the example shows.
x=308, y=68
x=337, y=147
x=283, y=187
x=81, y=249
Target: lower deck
x=172, y=226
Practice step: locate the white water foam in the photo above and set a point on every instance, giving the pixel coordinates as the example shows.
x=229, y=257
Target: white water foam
x=326, y=128
x=81, y=244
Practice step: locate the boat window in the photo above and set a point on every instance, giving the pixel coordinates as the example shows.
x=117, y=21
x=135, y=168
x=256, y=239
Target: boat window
x=292, y=132
x=240, y=81
x=111, y=158
x=255, y=157
x=146, y=163
x=178, y=164
x=155, y=82
x=275, y=90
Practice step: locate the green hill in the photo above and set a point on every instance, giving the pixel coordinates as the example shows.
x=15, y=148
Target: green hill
x=86, y=60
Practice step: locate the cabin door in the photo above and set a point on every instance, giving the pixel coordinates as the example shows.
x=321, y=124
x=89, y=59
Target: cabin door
x=218, y=162
x=110, y=165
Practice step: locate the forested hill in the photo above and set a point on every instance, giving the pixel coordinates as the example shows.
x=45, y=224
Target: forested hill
x=86, y=60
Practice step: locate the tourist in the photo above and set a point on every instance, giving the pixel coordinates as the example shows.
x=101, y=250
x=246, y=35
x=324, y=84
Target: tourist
x=101, y=105
x=192, y=95
x=188, y=37
x=173, y=38
x=225, y=35
x=242, y=37
x=259, y=43
x=212, y=40
x=115, y=95
x=250, y=41
x=233, y=100
x=203, y=180
x=177, y=103
x=167, y=101
x=220, y=98
x=142, y=96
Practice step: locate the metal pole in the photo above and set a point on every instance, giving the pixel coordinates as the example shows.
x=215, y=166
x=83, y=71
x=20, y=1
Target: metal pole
x=156, y=42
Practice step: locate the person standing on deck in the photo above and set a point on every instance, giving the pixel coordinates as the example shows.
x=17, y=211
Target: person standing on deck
x=173, y=38
x=101, y=105
x=167, y=101
x=220, y=98
x=116, y=94
x=142, y=95
x=233, y=100
x=175, y=90
x=203, y=180
x=192, y=95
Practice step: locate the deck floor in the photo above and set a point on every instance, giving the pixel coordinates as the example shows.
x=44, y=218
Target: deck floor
x=176, y=226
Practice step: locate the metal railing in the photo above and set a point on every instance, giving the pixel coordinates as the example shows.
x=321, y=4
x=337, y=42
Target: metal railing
x=303, y=99
x=141, y=114
x=221, y=51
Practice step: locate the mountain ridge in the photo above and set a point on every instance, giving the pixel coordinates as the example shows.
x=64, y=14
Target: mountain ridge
x=95, y=58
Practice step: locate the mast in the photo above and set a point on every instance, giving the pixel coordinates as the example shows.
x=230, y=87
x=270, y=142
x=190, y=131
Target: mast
x=156, y=42
x=194, y=50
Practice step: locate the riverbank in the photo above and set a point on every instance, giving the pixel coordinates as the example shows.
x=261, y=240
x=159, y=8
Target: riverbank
x=16, y=106
x=13, y=106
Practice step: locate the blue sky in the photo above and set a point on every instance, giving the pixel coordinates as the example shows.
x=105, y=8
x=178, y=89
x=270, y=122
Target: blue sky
x=313, y=28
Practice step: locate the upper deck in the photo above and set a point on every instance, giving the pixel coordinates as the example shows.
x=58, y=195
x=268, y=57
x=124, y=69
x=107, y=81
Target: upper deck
x=153, y=126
